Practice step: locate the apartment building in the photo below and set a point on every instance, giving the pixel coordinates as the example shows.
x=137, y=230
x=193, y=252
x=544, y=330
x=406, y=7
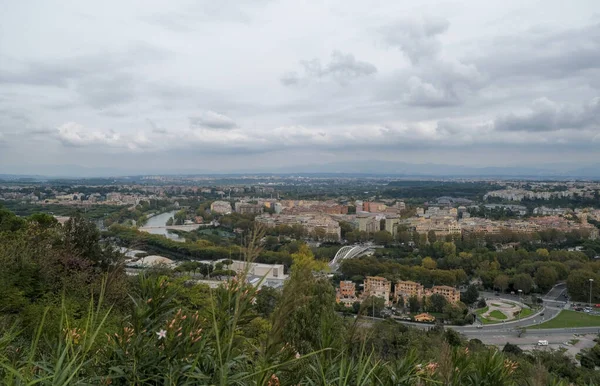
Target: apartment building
x=451, y=294
x=408, y=289
x=378, y=286
x=368, y=223
x=309, y=221
x=248, y=208
x=346, y=293
x=220, y=207
x=374, y=207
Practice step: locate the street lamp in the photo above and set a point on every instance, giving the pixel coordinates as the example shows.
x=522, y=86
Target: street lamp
x=591, y=281
x=521, y=305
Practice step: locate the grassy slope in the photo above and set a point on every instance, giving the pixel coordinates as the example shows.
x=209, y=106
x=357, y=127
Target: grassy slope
x=568, y=318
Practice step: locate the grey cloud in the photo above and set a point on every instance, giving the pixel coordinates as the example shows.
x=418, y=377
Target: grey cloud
x=60, y=72
x=542, y=54
x=41, y=74
x=546, y=115
x=106, y=90
x=198, y=13
x=416, y=39
x=422, y=93
x=443, y=83
x=155, y=127
x=432, y=81
x=14, y=114
x=212, y=120
x=290, y=78
x=342, y=68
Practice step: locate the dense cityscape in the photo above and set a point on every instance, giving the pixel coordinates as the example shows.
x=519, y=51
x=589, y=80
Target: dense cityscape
x=508, y=264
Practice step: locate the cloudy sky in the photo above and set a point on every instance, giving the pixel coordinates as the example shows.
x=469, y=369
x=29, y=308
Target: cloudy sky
x=157, y=86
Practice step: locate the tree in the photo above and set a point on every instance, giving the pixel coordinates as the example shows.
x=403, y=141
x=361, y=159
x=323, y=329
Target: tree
x=501, y=282
x=429, y=263
x=43, y=219
x=345, y=228
x=356, y=307
x=453, y=312
x=170, y=221
x=542, y=252
x=9, y=221
x=82, y=239
x=510, y=348
x=438, y=302
x=319, y=233
x=382, y=237
x=481, y=303
x=180, y=217
x=413, y=304
x=587, y=362
x=545, y=278
x=578, y=285
x=266, y=301
x=431, y=237
x=522, y=282
x=448, y=249
x=400, y=302
x=305, y=316
x=470, y=296
x=452, y=337
x=372, y=306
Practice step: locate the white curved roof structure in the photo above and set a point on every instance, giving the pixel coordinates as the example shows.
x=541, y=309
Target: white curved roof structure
x=348, y=252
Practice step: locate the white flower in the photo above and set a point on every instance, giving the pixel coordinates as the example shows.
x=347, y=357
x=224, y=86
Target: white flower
x=162, y=334
x=297, y=355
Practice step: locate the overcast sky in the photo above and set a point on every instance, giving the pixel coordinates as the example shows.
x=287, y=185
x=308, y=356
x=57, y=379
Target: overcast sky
x=256, y=84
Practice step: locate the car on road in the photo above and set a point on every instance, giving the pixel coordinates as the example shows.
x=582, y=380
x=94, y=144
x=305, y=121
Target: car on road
x=542, y=343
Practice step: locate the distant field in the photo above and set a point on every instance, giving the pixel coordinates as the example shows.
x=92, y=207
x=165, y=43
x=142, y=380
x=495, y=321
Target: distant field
x=568, y=318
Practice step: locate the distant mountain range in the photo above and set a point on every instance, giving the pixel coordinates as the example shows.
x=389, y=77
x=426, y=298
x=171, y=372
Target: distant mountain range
x=365, y=167
x=439, y=170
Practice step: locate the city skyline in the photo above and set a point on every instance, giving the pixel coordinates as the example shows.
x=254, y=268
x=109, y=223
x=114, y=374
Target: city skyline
x=267, y=85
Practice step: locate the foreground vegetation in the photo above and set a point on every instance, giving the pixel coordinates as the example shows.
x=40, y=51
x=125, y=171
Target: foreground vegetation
x=70, y=316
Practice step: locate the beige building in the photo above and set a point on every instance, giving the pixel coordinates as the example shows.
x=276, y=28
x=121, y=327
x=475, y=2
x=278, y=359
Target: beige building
x=368, y=223
x=268, y=271
x=379, y=287
x=451, y=294
x=408, y=289
x=311, y=222
x=220, y=207
x=425, y=317
x=346, y=293
x=247, y=208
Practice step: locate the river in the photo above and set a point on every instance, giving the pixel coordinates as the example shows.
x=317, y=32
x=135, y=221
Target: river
x=160, y=220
